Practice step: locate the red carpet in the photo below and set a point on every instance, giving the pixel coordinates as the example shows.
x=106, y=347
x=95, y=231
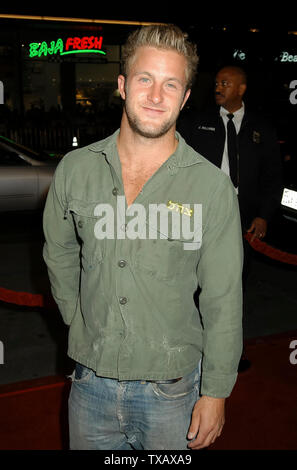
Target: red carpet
x=33, y=415
x=261, y=413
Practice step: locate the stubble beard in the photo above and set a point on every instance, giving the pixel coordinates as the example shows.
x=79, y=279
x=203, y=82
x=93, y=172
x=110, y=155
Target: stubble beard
x=147, y=130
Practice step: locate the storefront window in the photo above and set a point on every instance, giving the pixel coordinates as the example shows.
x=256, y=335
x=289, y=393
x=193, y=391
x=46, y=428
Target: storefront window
x=95, y=80
x=41, y=80
x=96, y=85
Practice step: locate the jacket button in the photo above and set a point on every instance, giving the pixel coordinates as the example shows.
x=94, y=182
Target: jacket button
x=115, y=191
x=80, y=223
x=122, y=263
x=123, y=300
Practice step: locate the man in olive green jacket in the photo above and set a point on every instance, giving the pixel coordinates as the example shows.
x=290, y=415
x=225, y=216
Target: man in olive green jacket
x=134, y=224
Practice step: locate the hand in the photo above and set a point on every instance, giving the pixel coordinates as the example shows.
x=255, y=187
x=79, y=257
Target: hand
x=258, y=227
x=208, y=419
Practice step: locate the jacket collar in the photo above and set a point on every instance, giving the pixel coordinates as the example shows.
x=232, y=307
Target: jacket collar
x=105, y=145
x=245, y=118
x=184, y=155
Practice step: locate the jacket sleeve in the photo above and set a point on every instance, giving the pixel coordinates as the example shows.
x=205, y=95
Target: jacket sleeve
x=61, y=250
x=220, y=301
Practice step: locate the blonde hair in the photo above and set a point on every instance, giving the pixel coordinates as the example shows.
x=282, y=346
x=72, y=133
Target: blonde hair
x=161, y=36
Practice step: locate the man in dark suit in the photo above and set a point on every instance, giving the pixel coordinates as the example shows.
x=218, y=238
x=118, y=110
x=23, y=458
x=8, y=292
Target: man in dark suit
x=244, y=146
x=258, y=181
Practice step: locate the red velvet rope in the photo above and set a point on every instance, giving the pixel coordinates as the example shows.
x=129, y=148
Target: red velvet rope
x=270, y=251
x=39, y=300
x=26, y=299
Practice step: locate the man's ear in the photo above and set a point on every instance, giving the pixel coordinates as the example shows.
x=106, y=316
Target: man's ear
x=121, y=86
x=242, y=89
x=187, y=94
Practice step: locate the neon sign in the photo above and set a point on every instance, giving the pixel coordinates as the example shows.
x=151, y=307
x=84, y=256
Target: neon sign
x=239, y=54
x=72, y=45
x=286, y=57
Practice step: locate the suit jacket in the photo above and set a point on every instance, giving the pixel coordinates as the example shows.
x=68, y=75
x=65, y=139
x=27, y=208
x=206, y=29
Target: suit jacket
x=260, y=169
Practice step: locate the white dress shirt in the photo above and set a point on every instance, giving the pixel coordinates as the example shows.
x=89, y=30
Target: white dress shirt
x=238, y=115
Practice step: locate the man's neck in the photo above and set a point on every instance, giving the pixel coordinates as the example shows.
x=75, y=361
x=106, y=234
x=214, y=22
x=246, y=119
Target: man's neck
x=141, y=157
x=137, y=150
x=233, y=108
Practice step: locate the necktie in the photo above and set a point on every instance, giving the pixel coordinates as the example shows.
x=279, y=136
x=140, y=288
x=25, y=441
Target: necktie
x=232, y=150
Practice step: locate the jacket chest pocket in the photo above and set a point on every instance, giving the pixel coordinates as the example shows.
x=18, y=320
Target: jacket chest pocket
x=92, y=249
x=165, y=258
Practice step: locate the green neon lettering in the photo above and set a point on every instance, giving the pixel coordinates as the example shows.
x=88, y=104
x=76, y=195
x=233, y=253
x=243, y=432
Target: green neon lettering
x=43, y=49
x=59, y=46
x=33, y=49
x=84, y=51
x=51, y=49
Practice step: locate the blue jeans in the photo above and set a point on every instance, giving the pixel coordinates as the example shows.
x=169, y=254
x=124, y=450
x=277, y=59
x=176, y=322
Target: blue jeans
x=107, y=414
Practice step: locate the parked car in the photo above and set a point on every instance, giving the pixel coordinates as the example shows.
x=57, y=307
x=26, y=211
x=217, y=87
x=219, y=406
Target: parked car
x=282, y=231
x=289, y=196
x=25, y=177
